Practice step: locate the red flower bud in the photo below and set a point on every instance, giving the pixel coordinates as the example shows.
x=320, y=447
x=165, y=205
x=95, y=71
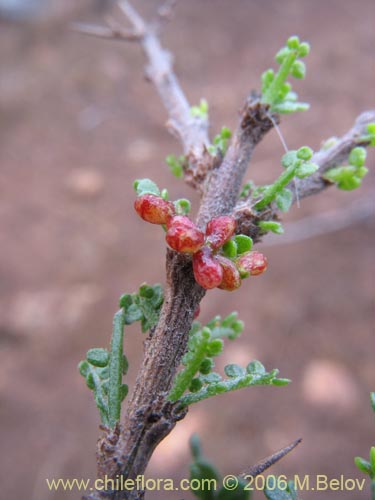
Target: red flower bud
x=251, y=264
x=183, y=235
x=231, y=276
x=207, y=269
x=154, y=209
x=219, y=230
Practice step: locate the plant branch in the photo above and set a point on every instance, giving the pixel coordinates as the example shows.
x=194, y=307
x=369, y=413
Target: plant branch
x=266, y=463
x=334, y=156
x=192, y=131
x=325, y=222
x=247, y=218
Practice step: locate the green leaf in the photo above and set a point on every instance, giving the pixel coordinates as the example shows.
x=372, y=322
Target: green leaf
x=239, y=493
x=305, y=153
x=146, y=186
x=363, y=465
x=345, y=178
x=244, y=243
x=284, y=199
x=200, y=111
x=98, y=357
x=372, y=460
x=255, y=367
x=273, y=226
x=234, y=370
x=275, y=491
x=182, y=206
x=176, y=165
x=357, y=157
x=306, y=169
x=372, y=401
x=280, y=382
x=288, y=107
x=230, y=249
x=215, y=347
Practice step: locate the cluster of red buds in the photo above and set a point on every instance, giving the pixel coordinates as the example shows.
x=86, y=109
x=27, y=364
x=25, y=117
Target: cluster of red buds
x=212, y=269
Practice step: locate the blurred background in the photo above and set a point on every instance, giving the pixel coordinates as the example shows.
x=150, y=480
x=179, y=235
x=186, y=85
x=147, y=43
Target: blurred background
x=78, y=124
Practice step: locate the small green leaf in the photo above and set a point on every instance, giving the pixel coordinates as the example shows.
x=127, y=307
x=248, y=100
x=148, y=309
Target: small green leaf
x=284, y=199
x=98, y=357
x=83, y=368
x=289, y=159
x=306, y=169
x=206, y=366
x=372, y=401
x=230, y=249
x=175, y=165
x=287, y=107
x=244, y=243
x=255, y=367
x=234, y=370
x=293, y=42
x=298, y=70
x=215, y=347
x=182, y=206
x=90, y=381
x=238, y=493
x=281, y=381
x=146, y=186
x=305, y=153
x=195, y=385
x=124, y=389
x=274, y=489
x=304, y=49
x=372, y=460
x=274, y=227
x=357, y=157
x=164, y=194
x=200, y=111
x=363, y=465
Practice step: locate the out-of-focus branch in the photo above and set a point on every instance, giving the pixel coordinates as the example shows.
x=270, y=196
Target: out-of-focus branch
x=109, y=32
x=326, y=222
x=191, y=131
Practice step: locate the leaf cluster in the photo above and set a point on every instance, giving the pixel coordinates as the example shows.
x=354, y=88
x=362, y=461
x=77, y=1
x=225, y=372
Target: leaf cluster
x=197, y=380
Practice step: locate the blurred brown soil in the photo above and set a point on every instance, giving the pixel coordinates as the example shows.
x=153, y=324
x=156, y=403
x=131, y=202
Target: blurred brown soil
x=78, y=124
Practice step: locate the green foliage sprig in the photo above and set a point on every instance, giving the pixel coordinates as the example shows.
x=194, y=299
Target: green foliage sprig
x=143, y=306
x=276, y=91
x=103, y=370
x=176, y=164
x=296, y=164
x=200, y=111
x=220, y=142
x=197, y=376
x=368, y=466
x=206, y=474
x=275, y=490
x=349, y=177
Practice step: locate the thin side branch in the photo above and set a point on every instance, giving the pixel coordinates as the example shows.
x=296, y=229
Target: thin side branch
x=334, y=156
x=108, y=32
x=266, y=463
x=192, y=132
x=247, y=218
x=325, y=223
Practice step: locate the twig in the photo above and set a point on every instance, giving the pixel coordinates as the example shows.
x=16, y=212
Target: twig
x=266, y=463
x=191, y=131
x=108, y=32
x=334, y=156
x=247, y=218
